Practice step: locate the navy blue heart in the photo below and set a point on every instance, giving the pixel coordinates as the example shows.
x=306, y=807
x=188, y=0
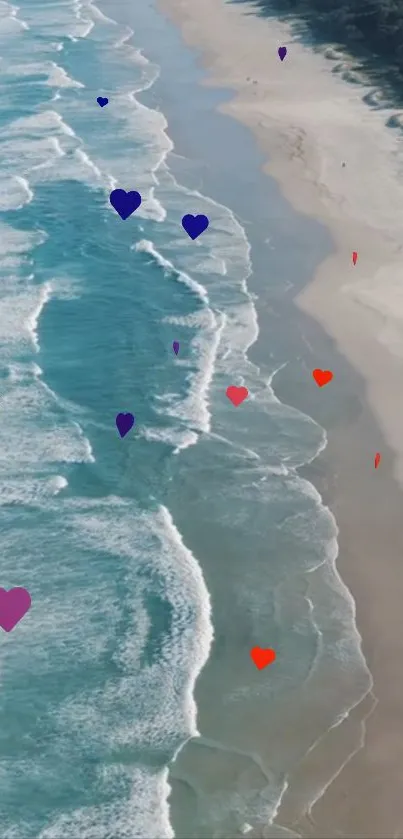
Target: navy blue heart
x=102, y=101
x=194, y=225
x=125, y=203
x=124, y=423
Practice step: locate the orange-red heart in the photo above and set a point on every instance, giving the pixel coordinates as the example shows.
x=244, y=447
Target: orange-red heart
x=262, y=657
x=322, y=377
x=236, y=395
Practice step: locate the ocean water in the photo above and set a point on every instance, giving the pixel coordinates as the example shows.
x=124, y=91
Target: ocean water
x=140, y=553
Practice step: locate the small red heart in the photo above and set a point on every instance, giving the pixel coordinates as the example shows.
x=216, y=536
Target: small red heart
x=262, y=657
x=322, y=377
x=236, y=395
x=377, y=460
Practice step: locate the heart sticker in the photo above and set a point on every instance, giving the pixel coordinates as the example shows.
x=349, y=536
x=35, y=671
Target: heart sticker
x=237, y=395
x=194, y=225
x=14, y=604
x=124, y=423
x=262, y=658
x=322, y=377
x=125, y=203
x=102, y=101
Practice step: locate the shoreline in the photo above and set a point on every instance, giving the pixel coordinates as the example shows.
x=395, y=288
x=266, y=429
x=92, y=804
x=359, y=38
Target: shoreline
x=363, y=800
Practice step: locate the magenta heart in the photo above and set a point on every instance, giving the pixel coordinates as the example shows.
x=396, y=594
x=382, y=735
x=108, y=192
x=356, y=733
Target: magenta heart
x=13, y=606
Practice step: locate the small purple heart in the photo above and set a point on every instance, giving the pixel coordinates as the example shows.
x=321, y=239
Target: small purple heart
x=13, y=606
x=102, y=101
x=124, y=423
x=194, y=225
x=282, y=51
x=125, y=203
x=175, y=347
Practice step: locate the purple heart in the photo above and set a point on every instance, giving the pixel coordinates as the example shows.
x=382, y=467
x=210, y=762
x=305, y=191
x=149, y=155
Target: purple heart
x=282, y=51
x=13, y=606
x=102, y=101
x=124, y=423
x=194, y=225
x=175, y=347
x=125, y=203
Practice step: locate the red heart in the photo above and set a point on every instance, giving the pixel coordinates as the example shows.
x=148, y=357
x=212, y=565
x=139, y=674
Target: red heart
x=322, y=377
x=262, y=657
x=237, y=394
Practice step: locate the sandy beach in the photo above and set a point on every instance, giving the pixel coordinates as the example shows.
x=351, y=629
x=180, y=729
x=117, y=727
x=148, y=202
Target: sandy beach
x=309, y=116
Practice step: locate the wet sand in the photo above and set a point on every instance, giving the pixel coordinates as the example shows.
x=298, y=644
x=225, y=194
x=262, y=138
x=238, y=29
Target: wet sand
x=310, y=120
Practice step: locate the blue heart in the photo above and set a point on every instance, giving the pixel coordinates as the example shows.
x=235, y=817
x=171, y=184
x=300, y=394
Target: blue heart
x=194, y=225
x=102, y=101
x=125, y=203
x=124, y=423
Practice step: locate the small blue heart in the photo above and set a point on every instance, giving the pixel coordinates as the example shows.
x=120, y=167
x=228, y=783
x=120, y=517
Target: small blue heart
x=124, y=423
x=194, y=225
x=102, y=101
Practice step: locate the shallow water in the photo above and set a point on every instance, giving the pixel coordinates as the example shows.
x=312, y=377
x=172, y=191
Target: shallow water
x=125, y=545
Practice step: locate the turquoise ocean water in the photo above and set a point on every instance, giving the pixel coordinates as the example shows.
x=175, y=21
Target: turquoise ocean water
x=113, y=537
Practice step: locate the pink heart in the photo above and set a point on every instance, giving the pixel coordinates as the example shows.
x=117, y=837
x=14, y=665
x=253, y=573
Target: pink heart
x=13, y=606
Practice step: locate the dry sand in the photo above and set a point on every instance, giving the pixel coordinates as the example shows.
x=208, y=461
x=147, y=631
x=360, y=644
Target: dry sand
x=310, y=120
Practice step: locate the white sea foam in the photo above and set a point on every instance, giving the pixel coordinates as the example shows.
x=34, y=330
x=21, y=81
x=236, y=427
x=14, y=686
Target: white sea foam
x=10, y=23
x=69, y=20
x=15, y=192
x=30, y=491
x=25, y=155
x=87, y=162
x=47, y=122
x=57, y=483
x=180, y=438
x=44, y=295
x=85, y=23
x=148, y=247
x=23, y=371
x=43, y=147
x=14, y=244
x=152, y=546
x=42, y=437
x=20, y=306
x=146, y=809
x=54, y=75
x=88, y=456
